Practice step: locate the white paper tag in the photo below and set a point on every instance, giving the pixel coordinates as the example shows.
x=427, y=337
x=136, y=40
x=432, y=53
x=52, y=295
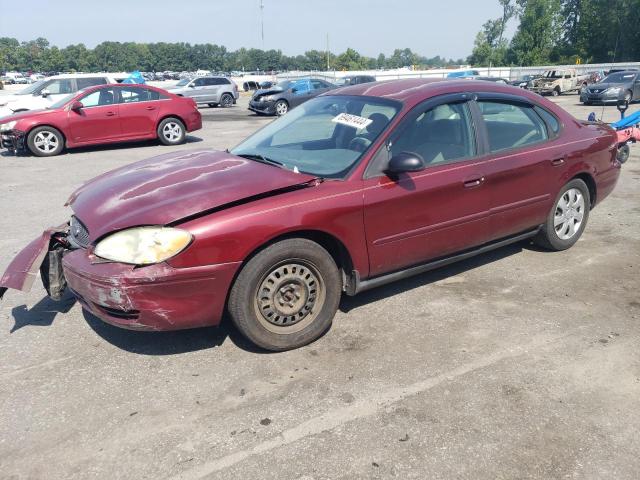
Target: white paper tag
x=352, y=121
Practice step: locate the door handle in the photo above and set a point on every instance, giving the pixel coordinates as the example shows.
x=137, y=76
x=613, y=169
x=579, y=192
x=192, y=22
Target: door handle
x=473, y=182
x=110, y=114
x=557, y=162
x=150, y=108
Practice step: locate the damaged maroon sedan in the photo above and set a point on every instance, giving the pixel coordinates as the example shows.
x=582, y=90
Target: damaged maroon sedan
x=356, y=188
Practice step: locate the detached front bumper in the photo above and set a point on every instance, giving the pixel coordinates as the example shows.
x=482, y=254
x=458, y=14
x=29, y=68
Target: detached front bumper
x=265, y=107
x=13, y=140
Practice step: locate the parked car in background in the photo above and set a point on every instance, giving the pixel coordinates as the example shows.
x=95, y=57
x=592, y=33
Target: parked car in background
x=354, y=80
x=557, y=82
x=616, y=86
x=250, y=85
x=214, y=91
x=15, y=78
x=464, y=74
x=525, y=81
x=49, y=91
x=286, y=95
x=351, y=190
x=102, y=114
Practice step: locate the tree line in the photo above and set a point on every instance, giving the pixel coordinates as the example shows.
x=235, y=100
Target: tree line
x=39, y=56
x=561, y=32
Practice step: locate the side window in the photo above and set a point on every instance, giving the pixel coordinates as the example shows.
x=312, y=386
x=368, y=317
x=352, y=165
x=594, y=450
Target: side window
x=318, y=84
x=511, y=126
x=552, y=122
x=137, y=94
x=60, y=86
x=301, y=86
x=199, y=82
x=101, y=97
x=442, y=134
x=89, y=82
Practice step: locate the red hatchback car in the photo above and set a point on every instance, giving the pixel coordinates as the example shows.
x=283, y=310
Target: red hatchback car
x=355, y=188
x=102, y=114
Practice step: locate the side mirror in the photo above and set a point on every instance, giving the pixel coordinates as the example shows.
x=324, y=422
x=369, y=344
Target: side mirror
x=405, y=162
x=44, y=93
x=192, y=85
x=76, y=106
x=294, y=90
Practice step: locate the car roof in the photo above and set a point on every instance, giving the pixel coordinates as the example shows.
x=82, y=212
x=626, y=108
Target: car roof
x=80, y=75
x=412, y=91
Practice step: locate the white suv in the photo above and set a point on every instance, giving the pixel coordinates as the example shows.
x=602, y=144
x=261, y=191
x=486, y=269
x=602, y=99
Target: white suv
x=48, y=91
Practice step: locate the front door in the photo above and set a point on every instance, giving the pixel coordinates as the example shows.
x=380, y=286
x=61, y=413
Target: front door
x=97, y=120
x=416, y=217
x=300, y=92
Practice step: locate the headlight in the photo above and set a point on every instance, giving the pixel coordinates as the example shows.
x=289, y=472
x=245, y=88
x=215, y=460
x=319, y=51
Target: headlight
x=5, y=127
x=614, y=90
x=143, y=245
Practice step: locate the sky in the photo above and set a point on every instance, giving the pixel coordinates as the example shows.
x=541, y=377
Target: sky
x=428, y=27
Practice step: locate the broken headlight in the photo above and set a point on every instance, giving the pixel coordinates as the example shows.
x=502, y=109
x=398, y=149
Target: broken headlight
x=143, y=245
x=5, y=127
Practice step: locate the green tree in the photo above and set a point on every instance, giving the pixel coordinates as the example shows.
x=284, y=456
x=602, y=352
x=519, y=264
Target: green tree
x=538, y=33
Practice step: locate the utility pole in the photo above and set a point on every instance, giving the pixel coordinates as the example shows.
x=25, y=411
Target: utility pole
x=327, y=52
x=262, y=21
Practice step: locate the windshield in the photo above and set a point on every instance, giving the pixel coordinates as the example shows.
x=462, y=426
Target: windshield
x=284, y=85
x=34, y=87
x=619, y=77
x=62, y=101
x=324, y=137
x=183, y=83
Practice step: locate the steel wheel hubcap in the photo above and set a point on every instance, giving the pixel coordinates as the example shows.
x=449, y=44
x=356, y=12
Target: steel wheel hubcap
x=569, y=214
x=172, y=131
x=289, y=297
x=46, y=142
x=281, y=108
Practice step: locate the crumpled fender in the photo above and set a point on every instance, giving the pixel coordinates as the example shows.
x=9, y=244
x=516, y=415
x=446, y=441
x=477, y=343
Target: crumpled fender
x=23, y=269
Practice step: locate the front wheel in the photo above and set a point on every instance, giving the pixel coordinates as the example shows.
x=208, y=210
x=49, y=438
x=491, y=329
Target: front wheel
x=287, y=295
x=555, y=92
x=282, y=107
x=567, y=219
x=171, y=131
x=628, y=97
x=45, y=141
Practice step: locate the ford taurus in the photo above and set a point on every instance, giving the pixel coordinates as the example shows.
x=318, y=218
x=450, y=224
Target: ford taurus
x=353, y=189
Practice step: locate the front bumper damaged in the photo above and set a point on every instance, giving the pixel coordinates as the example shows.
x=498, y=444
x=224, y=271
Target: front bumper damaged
x=13, y=140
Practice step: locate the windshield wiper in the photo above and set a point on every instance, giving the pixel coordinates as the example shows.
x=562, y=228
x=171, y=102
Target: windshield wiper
x=262, y=159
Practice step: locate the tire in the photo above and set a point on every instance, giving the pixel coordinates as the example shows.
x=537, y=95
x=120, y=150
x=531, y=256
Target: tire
x=570, y=209
x=45, y=141
x=297, y=271
x=226, y=100
x=171, y=131
x=628, y=96
x=281, y=107
x=555, y=92
x=623, y=153
x=212, y=105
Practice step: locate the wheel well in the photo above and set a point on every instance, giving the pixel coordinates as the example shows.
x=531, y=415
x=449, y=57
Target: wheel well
x=331, y=244
x=171, y=115
x=45, y=125
x=591, y=185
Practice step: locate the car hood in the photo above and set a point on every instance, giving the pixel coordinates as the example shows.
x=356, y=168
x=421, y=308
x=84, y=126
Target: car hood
x=172, y=187
x=30, y=114
x=604, y=86
x=267, y=91
x=5, y=99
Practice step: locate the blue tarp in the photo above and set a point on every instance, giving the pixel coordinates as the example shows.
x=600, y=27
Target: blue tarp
x=134, y=77
x=628, y=121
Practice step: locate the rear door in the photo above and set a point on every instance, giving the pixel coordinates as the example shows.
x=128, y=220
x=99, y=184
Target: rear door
x=524, y=153
x=419, y=216
x=138, y=109
x=97, y=120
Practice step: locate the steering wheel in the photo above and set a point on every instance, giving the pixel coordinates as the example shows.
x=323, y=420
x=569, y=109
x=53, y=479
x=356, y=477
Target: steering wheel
x=359, y=144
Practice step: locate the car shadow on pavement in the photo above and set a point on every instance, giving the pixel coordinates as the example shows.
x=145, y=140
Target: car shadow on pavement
x=42, y=313
x=349, y=303
x=119, y=146
x=172, y=342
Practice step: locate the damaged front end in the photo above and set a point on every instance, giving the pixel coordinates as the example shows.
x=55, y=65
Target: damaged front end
x=44, y=254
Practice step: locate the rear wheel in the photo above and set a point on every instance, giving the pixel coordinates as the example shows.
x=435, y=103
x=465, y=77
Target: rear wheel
x=568, y=217
x=171, y=131
x=226, y=100
x=45, y=141
x=287, y=295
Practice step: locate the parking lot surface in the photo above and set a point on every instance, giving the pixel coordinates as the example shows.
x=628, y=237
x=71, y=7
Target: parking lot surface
x=520, y=363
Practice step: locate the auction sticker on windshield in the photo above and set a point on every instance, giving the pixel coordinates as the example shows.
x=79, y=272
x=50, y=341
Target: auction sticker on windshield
x=352, y=120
